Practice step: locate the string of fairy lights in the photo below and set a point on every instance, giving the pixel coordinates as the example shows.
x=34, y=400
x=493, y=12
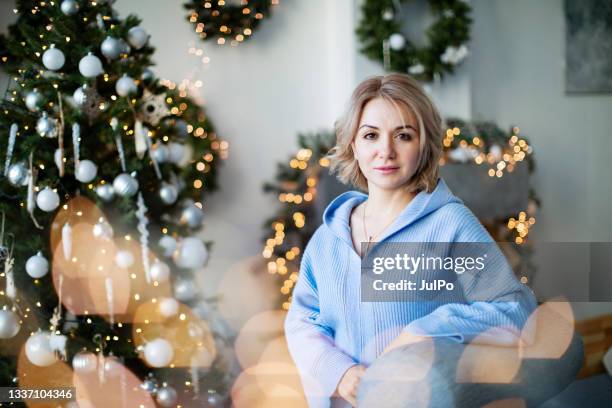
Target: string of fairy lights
x=299, y=193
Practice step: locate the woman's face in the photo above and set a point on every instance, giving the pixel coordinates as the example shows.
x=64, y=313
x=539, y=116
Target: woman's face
x=386, y=145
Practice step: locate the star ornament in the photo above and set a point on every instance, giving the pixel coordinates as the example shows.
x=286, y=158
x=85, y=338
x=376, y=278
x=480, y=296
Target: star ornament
x=153, y=107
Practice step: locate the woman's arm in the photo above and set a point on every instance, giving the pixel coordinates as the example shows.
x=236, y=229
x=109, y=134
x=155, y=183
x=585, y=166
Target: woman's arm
x=320, y=363
x=498, y=304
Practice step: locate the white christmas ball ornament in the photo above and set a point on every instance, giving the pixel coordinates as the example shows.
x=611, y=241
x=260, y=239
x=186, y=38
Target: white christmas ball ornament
x=79, y=96
x=18, y=174
x=168, y=193
x=53, y=59
x=86, y=171
x=168, y=245
x=191, y=253
x=192, y=215
x=137, y=37
x=33, y=100
x=85, y=362
x=69, y=7
x=160, y=153
x=397, y=41
x=37, y=266
x=184, y=290
x=158, y=353
x=176, y=152
x=106, y=192
x=9, y=324
x=111, y=48
x=125, y=86
x=125, y=185
x=124, y=259
x=47, y=200
x=38, y=349
x=90, y=66
x=160, y=271
x=168, y=307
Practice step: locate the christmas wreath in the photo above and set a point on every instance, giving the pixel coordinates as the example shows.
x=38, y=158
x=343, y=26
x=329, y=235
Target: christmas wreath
x=230, y=21
x=379, y=31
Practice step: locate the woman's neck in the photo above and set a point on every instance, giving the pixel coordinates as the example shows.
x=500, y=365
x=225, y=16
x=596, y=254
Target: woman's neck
x=384, y=204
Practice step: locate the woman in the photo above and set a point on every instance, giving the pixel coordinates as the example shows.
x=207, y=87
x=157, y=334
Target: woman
x=389, y=144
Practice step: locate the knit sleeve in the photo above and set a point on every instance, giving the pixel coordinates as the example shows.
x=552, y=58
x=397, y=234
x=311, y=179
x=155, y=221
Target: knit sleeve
x=497, y=304
x=311, y=344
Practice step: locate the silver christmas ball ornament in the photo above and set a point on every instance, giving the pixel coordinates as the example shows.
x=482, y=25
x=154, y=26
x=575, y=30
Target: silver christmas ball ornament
x=18, y=174
x=111, y=48
x=160, y=153
x=149, y=385
x=38, y=349
x=90, y=66
x=47, y=200
x=168, y=245
x=147, y=75
x=9, y=324
x=190, y=253
x=184, y=290
x=160, y=271
x=86, y=171
x=79, y=96
x=137, y=37
x=46, y=126
x=103, y=230
x=166, y=396
x=53, y=58
x=125, y=86
x=69, y=7
x=192, y=216
x=106, y=192
x=33, y=100
x=168, y=193
x=85, y=362
x=125, y=185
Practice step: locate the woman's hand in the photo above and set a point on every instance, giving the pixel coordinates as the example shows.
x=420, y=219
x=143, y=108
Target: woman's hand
x=401, y=340
x=347, y=387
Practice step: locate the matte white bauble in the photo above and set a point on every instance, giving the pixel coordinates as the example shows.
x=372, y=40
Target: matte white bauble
x=53, y=59
x=37, y=266
x=86, y=171
x=38, y=349
x=158, y=353
x=47, y=200
x=90, y=66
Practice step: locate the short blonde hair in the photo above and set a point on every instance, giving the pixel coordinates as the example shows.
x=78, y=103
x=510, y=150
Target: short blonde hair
x=398, y=89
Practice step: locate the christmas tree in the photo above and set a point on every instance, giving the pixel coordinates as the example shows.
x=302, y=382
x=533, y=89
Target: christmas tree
x=105, y=168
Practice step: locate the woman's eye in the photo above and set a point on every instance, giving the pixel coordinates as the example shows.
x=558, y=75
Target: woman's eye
x=405, y=136
x=369, y=136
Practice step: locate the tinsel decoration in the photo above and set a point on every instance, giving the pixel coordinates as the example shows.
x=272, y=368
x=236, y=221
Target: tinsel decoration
x=109, y=298
x=152, y=157
x=140, y=136
x=8, y=260
x=143, y=221
x=9, y=149
x=60, y=136
x=31, y=202
x=114, y=124
x=57, y=312
x=67, y=241
x=98, y=340
x=195, y=375
x=58, y=344
x=76, y=142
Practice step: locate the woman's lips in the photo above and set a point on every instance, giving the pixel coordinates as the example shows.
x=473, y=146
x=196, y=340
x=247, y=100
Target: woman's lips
x=386, y=169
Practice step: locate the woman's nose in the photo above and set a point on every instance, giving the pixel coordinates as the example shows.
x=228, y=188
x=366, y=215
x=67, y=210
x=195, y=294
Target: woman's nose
x=386, y=149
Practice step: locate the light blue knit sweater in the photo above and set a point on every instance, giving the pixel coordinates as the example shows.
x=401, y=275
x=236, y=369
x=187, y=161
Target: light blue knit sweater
x=328, y=328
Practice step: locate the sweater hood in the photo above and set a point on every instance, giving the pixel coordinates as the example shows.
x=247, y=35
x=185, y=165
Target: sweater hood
x=337, y=214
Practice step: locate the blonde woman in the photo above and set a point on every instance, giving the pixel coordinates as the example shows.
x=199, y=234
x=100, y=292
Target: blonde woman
x=388, y=145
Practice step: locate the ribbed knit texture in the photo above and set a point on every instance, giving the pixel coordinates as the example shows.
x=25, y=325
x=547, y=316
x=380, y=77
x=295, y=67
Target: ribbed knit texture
x=329, y=328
